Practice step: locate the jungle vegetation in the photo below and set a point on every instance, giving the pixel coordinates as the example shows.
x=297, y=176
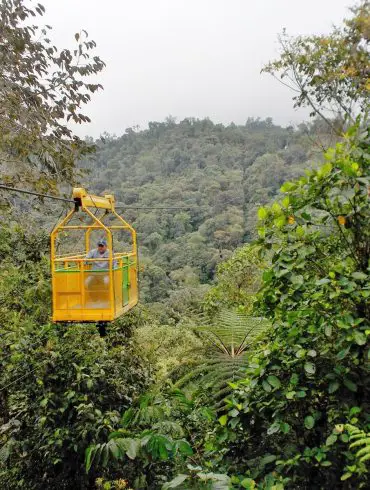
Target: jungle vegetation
x=246, y=364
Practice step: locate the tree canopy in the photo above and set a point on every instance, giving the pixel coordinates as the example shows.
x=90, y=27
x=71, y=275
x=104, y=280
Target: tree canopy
x=329, y=73
x=41, y=89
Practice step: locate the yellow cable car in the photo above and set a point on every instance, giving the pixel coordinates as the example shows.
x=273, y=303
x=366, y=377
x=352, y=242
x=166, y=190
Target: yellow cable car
x=93, y=287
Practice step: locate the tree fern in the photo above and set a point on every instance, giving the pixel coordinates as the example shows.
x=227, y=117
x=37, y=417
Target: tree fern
x=225, y=349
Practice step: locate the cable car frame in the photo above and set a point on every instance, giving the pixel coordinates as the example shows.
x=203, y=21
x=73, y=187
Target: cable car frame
x=81, y=293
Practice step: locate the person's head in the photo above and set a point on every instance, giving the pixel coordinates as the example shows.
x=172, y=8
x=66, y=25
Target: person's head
x=102, y=246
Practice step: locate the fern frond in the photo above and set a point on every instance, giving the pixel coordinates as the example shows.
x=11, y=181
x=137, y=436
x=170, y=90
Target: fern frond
x=360, y=438
x=232, y=332
x=361, y=441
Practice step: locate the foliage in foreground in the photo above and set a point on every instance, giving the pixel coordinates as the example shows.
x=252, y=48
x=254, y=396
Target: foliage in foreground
x=61, y=388
x=314, y=374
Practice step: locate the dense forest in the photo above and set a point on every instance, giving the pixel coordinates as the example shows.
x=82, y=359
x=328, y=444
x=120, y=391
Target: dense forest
x=246, y=362
x=219, y=176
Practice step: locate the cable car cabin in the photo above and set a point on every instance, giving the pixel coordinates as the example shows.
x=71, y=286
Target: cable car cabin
x=96, y=286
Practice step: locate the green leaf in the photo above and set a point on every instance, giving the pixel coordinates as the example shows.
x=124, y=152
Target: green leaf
x=274, y=381
x=294, y=379
x=269, y=458
x=132, y=447
x=333, y=386
x=343, y=353
x=354, y=411
x=360, y=337
x=159, y=446
x=114, y=449
x=320, y=282
x=266, y=386
x=301, y=394
x=361, y=276
x=280, y=221
x=300, y=231
x=288, y=186
x=89, y=456
x=176, y=482
x=350, y=385
x=309, y=422
x=234, y=413
x=325, y=169
x=297, y=279
x=184, y=447
x=346, y=476
x=262, y=213
x=326, y=463
x=300, y=353
x=310, y=367
x=223, y=420
x=276, y=208
x=290, y=395
x=267, y=275
x=285, y=202
x=331, y=440
x=104, y=455
x=248, y=483
x=127, y=417
x=275, y=427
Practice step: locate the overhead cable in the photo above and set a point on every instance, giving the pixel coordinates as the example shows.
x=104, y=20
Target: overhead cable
x=118, y=205
x=32, y=193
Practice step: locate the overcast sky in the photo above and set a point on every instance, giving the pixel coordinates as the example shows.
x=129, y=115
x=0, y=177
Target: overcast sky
x=188, y=58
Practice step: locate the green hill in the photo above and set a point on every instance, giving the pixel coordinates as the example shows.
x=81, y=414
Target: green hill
x=221, y=173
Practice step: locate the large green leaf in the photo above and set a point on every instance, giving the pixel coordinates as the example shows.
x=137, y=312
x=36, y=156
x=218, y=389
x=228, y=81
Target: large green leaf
x=310, y=367
x=274, y=381
x=176, y=482
x=309, y=422
x=132, y=447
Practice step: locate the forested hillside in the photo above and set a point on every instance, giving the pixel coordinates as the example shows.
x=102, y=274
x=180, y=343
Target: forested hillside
x=218, y=174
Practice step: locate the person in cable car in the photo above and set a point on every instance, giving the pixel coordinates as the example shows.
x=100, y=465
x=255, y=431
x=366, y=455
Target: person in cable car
x=101, y=252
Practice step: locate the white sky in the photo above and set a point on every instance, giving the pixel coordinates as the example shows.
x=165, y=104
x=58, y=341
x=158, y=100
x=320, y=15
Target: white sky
x=187, y=58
